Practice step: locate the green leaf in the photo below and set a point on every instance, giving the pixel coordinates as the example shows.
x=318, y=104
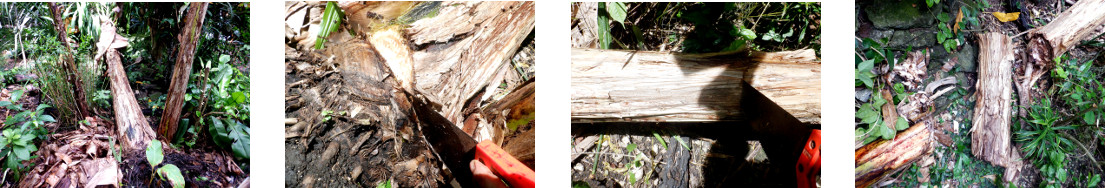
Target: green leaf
x=630, y=147
x=661, y=139
x=746, y=33
x=46, y=118
x=605, y=38
x=22, y=153
x=617, y=11
x=331, y=20
x=1094, y=180
x=681, y=142
x=902, y=124
x=1089, y=118
x=580, y=184
x=385, y=184
x=153, y=153
x=632, y=177
x=172, y=173
x=224, y=58
x=238, y=97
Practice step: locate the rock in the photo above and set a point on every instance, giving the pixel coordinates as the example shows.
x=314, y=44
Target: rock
x=967, y=58
x=899, y=14
x=863, y=94
x=917, y=38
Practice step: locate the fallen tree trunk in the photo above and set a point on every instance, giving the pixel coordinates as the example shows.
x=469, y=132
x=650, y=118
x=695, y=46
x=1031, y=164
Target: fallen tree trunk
x=458, y=55
x=1078, y=23
x=133, y=129
x=881, y=158
x=990, y=134
x=613, y=86
x=188, y=38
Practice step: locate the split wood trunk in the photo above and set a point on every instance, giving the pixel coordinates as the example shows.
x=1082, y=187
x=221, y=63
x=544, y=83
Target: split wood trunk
x=460, y=51
x=178, y=85
x=1077, y=23
x=990, y=133
x=133, y=129
x=640, y=86
x=881, y=158
x=69, y=64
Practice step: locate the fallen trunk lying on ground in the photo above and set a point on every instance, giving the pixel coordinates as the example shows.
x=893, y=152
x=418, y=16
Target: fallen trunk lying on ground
x=1078, y=23
x=134, y=131
x=881, y=158
x=612, y=86
x=990, y=133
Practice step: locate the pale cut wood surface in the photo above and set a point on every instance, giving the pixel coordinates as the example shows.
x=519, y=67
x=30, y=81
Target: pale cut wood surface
x=133, y=129
x=459, y=51
x=990, y=132
x=881, y=158
x=1075, y=24
x=617, y=86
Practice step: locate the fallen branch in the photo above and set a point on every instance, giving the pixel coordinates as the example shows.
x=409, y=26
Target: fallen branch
x=877, y=160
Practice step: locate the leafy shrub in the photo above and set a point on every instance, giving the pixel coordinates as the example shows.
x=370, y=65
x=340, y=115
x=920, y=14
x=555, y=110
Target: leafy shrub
x=17, y=142
x=1044, y=144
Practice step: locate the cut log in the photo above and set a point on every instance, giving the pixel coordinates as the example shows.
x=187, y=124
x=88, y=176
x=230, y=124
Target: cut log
x=1079, y=22
x=133, y=129
x=614, y=86
x=178, y=85
x=461, y=49
x=70, y=64
x=990, y=134
x=877, y=160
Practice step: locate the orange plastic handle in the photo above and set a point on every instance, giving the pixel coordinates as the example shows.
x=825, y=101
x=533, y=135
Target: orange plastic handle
x=510, y=169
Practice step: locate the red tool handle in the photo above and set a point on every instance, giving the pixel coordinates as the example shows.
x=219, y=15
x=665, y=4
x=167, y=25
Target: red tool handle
x=809, y=163
x=510, y=169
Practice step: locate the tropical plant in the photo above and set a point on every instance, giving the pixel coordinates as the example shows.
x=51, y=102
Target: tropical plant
x=167, y=172
x=1044, y=144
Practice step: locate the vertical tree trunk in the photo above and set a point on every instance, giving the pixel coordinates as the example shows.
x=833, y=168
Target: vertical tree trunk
x=183, y=68
x=69, y=64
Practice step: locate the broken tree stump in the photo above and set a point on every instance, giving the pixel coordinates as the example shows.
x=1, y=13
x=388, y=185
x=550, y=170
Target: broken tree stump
x=459, y=51
x=614, y=86
x=881, y=158
x=133, y=129
x=990, y=132
x=1079, y=22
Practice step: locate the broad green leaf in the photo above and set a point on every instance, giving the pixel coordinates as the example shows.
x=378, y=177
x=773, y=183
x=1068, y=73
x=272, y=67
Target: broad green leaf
x=630, y=147
x=172, y=173
x=1094, y=180
x=902, y=124
x=385, y=184
x=617, y=11
x=224, y=58
x=153, y=153
x=1089, y=118
x=22, y=153
x=745, y=33
x=605, y=38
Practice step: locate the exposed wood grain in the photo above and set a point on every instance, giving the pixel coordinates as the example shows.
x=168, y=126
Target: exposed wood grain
x=611, y=85
x=879, y=159
x=461, y=49
x=178, y=84
x=133, y=129
x=1075, y=24
x=990, y=132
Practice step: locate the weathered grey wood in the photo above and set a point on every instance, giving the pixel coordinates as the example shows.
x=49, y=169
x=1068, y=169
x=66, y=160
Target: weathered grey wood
x=133, y=129
x=461, y=49
x=614, y=86
x=1079, y=22
x=188, y=38
x=990, y=133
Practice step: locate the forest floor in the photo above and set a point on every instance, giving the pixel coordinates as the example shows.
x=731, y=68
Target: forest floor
x=952, y=163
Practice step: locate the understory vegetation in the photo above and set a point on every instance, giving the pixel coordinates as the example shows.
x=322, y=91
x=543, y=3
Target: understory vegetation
x=709, y=27
x=216, y=111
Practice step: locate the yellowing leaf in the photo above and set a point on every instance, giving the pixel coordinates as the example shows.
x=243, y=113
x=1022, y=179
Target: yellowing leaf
x=1007, y=17
x=958, y=18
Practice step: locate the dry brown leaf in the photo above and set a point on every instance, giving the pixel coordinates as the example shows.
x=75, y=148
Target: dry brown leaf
x=958, y=18
x=1007, y=17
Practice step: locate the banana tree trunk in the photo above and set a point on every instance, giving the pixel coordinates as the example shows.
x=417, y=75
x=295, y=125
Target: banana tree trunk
x=640, y=86
x=135, y=133
x=178, y=85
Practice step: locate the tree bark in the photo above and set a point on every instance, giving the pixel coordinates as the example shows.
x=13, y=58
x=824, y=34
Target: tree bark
x=1077, y=23
x=616, y=86
x=990, y=134
x=457, y=56
x=133, y=129
x=69, y=64
x=178, y=85
x=881, y=158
